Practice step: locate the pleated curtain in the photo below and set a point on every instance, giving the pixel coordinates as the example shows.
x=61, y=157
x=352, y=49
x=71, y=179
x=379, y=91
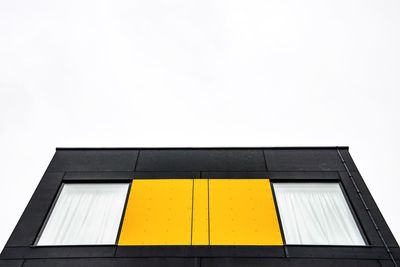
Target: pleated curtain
x=85, y=214
x=316, y=214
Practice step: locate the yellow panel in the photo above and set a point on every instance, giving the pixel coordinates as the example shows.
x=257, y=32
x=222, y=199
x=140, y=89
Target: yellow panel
x=159, y=212
x=200, y=212
x=242, y=212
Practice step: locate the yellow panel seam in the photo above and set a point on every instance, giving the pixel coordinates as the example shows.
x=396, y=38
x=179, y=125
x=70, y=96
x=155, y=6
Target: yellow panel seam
x=191, y=226
x=208, y=204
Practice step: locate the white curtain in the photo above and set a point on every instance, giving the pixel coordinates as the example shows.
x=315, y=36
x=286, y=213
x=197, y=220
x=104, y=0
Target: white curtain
x=316, y=214
x=85, y=214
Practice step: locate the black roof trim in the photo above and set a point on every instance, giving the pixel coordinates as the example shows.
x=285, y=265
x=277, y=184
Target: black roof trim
x=199, y=148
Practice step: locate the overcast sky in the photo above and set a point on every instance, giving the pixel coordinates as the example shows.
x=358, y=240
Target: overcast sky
x=198, y=73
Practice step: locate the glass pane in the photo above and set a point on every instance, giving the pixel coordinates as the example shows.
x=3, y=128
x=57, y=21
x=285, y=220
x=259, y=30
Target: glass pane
x=317, y=214
x=85, y=214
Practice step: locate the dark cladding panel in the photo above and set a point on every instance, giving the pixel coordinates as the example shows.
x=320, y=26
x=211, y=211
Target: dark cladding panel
x=166, y=175
x=201, y=160
x=363, y=216
x=348, y=159
x=244, y=262
x=94, y=160
x=396, y=253
x=98, y=262
x=304, y=176
x=230, y=175
x=35, y=213
x=257, y=262
x=11, y=263
x=109, y=262
x=303, y=160
x=385, y=263
x=340, y=252
x=58, y=252
x=99, y=176
x=376, y=213
x=200, y=251
x=157, y=262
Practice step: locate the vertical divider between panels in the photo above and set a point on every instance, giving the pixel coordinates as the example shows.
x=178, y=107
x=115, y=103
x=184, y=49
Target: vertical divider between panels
x=191, y=226
x=265, y=160
x=137, y=160
x=200, y=233
x=208, y=204
x=366, y=207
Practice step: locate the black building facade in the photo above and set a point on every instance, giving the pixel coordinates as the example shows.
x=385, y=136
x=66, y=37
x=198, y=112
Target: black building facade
x=204, y=207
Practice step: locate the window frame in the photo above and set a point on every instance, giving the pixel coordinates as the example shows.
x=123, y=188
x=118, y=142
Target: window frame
x=348, y=202
x=56, y=198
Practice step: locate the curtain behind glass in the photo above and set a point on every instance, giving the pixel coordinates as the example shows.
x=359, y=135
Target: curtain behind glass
x=85, y=214
x=316, y=213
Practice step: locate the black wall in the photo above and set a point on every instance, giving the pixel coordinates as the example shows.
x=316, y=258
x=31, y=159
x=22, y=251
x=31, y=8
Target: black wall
x=82, y=165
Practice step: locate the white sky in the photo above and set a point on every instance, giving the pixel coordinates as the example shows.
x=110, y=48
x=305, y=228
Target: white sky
x=198, y=73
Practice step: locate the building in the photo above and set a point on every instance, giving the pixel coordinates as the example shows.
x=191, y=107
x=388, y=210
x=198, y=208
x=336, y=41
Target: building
x=208, y=207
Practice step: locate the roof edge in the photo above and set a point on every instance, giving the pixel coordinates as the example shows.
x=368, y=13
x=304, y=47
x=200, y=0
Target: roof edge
x=200, y=148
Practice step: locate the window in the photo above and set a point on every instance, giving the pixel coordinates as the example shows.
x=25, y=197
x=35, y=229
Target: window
x=85, y=214
x=316, y=214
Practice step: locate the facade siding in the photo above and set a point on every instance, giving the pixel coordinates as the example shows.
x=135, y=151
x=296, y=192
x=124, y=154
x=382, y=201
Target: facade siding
x=125, y=164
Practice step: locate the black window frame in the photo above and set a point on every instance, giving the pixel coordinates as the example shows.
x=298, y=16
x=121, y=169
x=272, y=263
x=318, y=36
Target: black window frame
x=349, y=205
